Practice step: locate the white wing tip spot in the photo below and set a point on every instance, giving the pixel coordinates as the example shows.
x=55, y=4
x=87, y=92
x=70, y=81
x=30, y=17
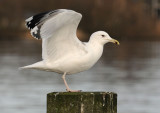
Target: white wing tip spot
x=29, y=19
x=34, y=30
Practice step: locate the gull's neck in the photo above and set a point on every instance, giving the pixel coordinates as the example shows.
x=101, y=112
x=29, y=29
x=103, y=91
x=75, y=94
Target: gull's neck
x=95, y=48
x=95, y=44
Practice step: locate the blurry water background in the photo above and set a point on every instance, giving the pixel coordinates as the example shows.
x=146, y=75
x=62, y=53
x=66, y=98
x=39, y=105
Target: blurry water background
x=132, y=70
x=132, y=73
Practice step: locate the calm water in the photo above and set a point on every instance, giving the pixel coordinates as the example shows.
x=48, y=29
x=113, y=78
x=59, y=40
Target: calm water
x=132, y=70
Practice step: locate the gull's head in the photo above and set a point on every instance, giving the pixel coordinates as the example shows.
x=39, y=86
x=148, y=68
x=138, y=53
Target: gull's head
x=102, y=37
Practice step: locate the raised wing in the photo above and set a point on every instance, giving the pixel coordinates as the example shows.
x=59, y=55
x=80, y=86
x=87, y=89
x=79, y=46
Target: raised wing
x=57, y=29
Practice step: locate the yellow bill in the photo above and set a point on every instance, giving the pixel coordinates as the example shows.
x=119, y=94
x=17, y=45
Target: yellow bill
x=115, y=41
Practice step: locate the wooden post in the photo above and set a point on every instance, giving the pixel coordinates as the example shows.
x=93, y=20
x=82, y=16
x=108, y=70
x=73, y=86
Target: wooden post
x=82, y=102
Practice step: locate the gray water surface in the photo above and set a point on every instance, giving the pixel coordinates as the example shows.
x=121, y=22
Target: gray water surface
x=132, y=70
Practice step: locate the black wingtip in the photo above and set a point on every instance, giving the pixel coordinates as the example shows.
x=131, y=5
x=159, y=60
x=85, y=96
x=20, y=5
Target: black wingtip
x=35, y=22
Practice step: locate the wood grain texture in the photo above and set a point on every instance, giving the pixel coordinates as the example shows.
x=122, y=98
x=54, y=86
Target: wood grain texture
x=82, y=102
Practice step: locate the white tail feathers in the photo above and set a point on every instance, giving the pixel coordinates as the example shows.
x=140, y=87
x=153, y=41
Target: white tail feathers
x=38, y=65
x=25, y=67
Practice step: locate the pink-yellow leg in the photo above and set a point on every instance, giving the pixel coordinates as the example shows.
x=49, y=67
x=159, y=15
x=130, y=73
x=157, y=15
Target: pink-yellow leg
x=67, y=87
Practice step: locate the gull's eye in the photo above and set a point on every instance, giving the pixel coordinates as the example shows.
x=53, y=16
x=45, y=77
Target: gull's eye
x=103, y=35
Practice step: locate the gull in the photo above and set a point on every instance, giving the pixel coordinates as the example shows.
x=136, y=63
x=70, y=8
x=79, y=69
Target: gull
x=62, y=51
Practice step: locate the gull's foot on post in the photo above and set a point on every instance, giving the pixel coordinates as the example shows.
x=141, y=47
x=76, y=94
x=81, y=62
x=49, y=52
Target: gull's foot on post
x=69, y=90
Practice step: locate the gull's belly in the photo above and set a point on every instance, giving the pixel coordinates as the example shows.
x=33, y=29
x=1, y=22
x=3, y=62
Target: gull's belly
x=74, y=64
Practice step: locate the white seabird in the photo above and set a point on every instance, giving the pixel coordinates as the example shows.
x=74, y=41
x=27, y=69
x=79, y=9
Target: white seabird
x=62, y=51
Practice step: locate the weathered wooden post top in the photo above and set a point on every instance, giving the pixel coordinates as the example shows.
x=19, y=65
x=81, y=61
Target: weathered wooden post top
x=82, y=102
